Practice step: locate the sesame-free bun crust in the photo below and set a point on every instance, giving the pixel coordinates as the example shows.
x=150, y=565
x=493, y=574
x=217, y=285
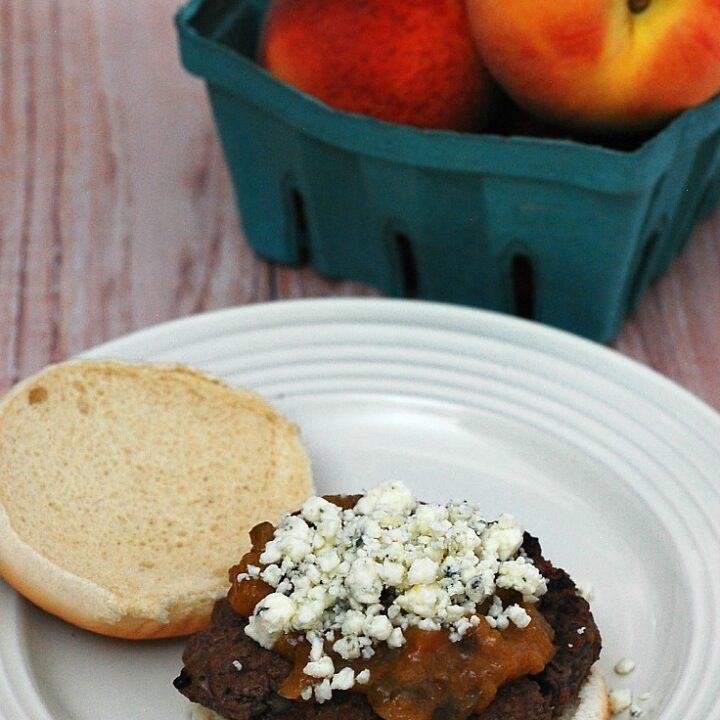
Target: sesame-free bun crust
x=198, y=712
x=592, y=703
x=127, y=491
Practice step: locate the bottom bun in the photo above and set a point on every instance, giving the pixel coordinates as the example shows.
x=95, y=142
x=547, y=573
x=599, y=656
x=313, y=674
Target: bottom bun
x=198, y=712
x=592, y=700
x=591, y=704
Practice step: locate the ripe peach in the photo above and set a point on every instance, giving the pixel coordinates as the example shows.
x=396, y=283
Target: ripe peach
x=405, y=61
x=602, y=65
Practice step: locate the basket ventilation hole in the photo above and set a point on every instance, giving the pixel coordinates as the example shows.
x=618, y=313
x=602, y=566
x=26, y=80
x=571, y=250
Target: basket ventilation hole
x=408, y=265
x=523, y=283
x=299, y=219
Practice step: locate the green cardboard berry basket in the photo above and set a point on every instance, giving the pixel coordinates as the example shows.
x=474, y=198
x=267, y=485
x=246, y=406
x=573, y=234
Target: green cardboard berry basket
x=567, y=233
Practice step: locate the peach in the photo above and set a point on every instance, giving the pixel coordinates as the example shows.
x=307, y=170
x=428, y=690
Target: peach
x=602, y=65
x=405, y=61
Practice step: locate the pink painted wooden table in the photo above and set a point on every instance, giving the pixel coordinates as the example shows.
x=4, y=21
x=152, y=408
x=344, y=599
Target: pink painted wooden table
x=116, y=210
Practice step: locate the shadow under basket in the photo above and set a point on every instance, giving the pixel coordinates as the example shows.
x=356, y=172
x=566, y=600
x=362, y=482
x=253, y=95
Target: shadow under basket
x=563, y=232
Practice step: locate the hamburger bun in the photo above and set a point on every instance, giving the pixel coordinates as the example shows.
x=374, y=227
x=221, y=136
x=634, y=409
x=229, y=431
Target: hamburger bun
x=127, y=490
x=591, y=704
x=592, y=701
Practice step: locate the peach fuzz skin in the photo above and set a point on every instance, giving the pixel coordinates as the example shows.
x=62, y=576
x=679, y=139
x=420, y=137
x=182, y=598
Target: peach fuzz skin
x=405, y=61
x=597, y=64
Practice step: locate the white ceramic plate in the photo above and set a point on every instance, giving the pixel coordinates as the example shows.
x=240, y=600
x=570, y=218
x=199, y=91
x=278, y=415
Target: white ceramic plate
x=616, y=469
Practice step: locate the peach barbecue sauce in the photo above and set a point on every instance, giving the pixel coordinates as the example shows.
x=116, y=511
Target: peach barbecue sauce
x=429, y=677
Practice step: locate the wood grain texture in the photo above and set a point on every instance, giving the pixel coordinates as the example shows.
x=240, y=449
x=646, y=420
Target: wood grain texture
x=676, y=329
x=116, y=207
x=116, y=210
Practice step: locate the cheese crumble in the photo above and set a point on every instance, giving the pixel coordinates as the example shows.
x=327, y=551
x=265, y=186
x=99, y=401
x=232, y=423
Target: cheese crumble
x=619, y=700
x=355, y=578
x=624, y=666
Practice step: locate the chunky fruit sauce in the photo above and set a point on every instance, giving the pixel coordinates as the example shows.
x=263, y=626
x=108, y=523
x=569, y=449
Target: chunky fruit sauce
x=430, y=676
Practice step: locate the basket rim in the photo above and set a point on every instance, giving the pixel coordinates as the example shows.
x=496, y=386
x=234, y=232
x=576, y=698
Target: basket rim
x=598, y=167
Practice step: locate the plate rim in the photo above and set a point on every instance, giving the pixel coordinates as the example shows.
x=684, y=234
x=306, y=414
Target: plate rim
x=544, y=337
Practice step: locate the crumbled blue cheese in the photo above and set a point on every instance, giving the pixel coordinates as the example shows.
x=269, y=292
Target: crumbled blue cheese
x=323, y=691
x=584, y=590
x=624, y=666
x=363, y=677
x=270, y=619
x=355, y=578
x=343, y=680
x=322, y=668
x=619, y=700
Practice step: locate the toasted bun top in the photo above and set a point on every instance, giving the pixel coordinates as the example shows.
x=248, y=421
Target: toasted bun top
x=592, y=703
x=127, y=491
